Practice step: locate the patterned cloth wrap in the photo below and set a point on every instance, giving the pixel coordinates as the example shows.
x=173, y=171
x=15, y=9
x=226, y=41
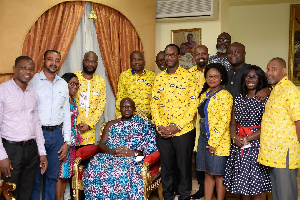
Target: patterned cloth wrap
x=110, y=177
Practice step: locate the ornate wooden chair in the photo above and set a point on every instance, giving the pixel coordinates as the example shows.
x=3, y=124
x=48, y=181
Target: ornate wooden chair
x=6, y=188
x=150, y=170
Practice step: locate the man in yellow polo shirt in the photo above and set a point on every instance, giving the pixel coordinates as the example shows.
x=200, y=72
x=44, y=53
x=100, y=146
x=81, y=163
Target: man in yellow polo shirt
x=280, y=132
x=173, y=107
x=136, y=83
x=201, y=56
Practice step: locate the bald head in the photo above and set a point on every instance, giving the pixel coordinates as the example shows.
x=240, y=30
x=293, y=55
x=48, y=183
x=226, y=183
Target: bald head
x=136, y=53
x=202, y=47
x=201, y=56
x=225, y=35
x=281, y=61
x=137, y=62
x=127, y=107
x=127, y=100
x=236, y=54
x=90, y=62
x=91, y=54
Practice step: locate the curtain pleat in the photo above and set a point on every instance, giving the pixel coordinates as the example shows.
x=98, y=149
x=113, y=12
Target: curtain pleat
x=55, y=29
x=5, y=77
x=117, y=39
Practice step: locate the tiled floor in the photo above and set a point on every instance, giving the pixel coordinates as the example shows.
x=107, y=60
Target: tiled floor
x=229, y=196
x=154, y=195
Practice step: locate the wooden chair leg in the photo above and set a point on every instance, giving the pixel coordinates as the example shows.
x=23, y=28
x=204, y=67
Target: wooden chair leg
x=76, y=194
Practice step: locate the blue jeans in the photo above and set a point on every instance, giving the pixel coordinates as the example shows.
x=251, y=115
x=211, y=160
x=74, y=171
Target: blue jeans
x=214, y=165
x=53, y=142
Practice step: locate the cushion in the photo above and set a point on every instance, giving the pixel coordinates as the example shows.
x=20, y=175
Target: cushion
x=87, y=151
x=152, y=158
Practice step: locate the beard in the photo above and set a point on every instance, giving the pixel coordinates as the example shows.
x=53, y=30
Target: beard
x=87, y=71
x=202, y=64
x=49, y=70
x=222, y=49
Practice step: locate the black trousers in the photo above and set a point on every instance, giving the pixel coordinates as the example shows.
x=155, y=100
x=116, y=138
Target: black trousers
x=176, y=157
x=24, y=160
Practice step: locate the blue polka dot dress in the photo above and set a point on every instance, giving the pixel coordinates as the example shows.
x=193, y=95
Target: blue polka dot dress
x=243, y=174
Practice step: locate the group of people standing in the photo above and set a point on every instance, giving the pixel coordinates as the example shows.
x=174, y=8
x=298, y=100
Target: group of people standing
x=242, y=125
x=43, y=118
x=247, y=125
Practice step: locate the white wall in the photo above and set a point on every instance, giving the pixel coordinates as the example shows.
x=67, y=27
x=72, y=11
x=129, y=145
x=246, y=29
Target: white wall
x=209, y=31
x=263, y=29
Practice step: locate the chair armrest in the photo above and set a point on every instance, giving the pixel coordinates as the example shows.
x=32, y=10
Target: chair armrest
x=82, y=153
x=7, y=189
x=87, y=151
x=152, y=158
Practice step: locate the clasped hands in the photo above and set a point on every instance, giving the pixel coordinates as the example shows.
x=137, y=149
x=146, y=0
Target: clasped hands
x=167, y=131
x=123, y=151
x=240, y=141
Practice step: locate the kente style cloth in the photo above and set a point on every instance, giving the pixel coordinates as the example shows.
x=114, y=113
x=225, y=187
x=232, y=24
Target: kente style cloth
x=243, y=174
x=67, y=166
x=110, y=177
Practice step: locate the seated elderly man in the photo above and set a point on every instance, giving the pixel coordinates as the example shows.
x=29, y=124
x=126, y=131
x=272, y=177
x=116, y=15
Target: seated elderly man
x=115, y=173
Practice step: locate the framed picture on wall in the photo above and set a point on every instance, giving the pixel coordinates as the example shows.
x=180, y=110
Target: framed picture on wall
x=294, y=45
x=191, y=36
x=187, y=40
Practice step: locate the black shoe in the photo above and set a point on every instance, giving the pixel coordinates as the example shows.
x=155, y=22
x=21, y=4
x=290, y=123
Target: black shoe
x=198, y=195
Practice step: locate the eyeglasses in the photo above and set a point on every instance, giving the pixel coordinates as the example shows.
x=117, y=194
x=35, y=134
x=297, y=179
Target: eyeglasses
x=74, y=84
x=173, y=55
x=212, y=77
x=254, y=78
x=223, y=40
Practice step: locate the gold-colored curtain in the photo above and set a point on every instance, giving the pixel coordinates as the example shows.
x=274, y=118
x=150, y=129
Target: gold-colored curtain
x=55, y=29
x=5, y=77
x=117, y=39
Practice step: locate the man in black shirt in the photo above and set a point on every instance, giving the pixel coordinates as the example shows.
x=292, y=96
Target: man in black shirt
x=236, y=57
